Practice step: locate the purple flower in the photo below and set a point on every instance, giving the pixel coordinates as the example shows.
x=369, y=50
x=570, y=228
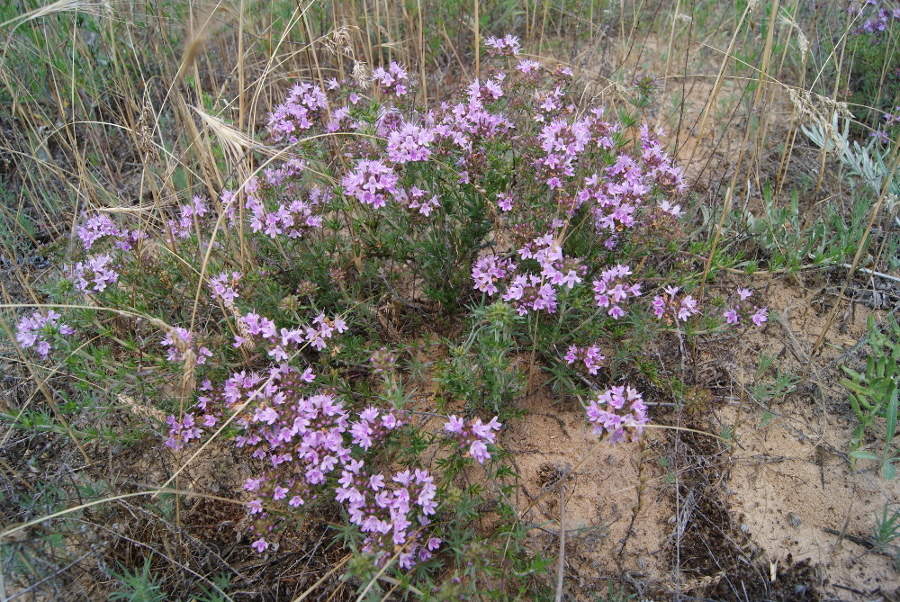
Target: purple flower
x=505, y=201
x=671, y=305
x=742, y=310
x=528, y=66
x=392, y=80
x=613, y=288
x=304, y=105
x=96, y=228
x=223, y=287
x=475, y=436
x=179, y=340
x=506, y=46
x=260, y=545
x=188, y=215
x=455, y=425
x=37, y=331
x=488, y=270
x=181, y=431
x=94, y=274
x=591, y=356
x=370, y=182
x=478, y=451
x=616, y=409
x=410, y=143
x=760, y=316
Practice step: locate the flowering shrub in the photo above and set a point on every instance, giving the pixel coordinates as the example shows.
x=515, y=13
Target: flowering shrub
x=546, y=223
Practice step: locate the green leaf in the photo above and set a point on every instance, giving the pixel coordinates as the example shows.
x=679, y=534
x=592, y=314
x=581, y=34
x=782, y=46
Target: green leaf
x=888, y=471
x=864, y=455
x=891, y=425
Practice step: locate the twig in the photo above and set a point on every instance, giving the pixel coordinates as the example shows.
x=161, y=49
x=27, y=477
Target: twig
x=871, y=272
x=561, y=569
x=857, y=540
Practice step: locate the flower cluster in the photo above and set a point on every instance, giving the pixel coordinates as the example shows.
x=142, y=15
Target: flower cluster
x=740, y=312
x=252, y=325
x=391, y=512
x=529, y=291
x=189, y=217
x=39, y=329
x=890, y=120
x=305, y=438
x=612, y=288
x=508, y=45
x=671, y=305
x=474, y=436
x=657, y=164
x=370, y=182
x=182, y=431
x=291, y=218
x=304, y=105
x=415, y=199
x=95, y=228
x=880, y=22
x=224, y=287
x=488, y=270
x=94, y=274
x=392, y=80
x=383, y=360
x=410, y=143
x=591, y=356
x=615, y=410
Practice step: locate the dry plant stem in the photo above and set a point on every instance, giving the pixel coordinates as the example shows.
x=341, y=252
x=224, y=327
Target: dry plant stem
x=397, y=584
x=10, y=531
x=543, y=26
x=378, y=575
x=729, y=194
x=762, y=91
x=792, y=130
x=718, y=84
x=477, y=40
x=823, y=153
x=662, y=93
x=895, y=162
x=561, y=567
x=323, y=578
x=422, y=78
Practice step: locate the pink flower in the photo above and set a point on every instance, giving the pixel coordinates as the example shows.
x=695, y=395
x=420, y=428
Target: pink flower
x=760, y=316
x=475, y=436
x=260, y=545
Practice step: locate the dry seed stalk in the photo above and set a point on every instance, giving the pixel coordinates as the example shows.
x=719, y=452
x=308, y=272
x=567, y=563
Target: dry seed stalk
x=818, y=110
x=361, y=74
x=338, y=41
